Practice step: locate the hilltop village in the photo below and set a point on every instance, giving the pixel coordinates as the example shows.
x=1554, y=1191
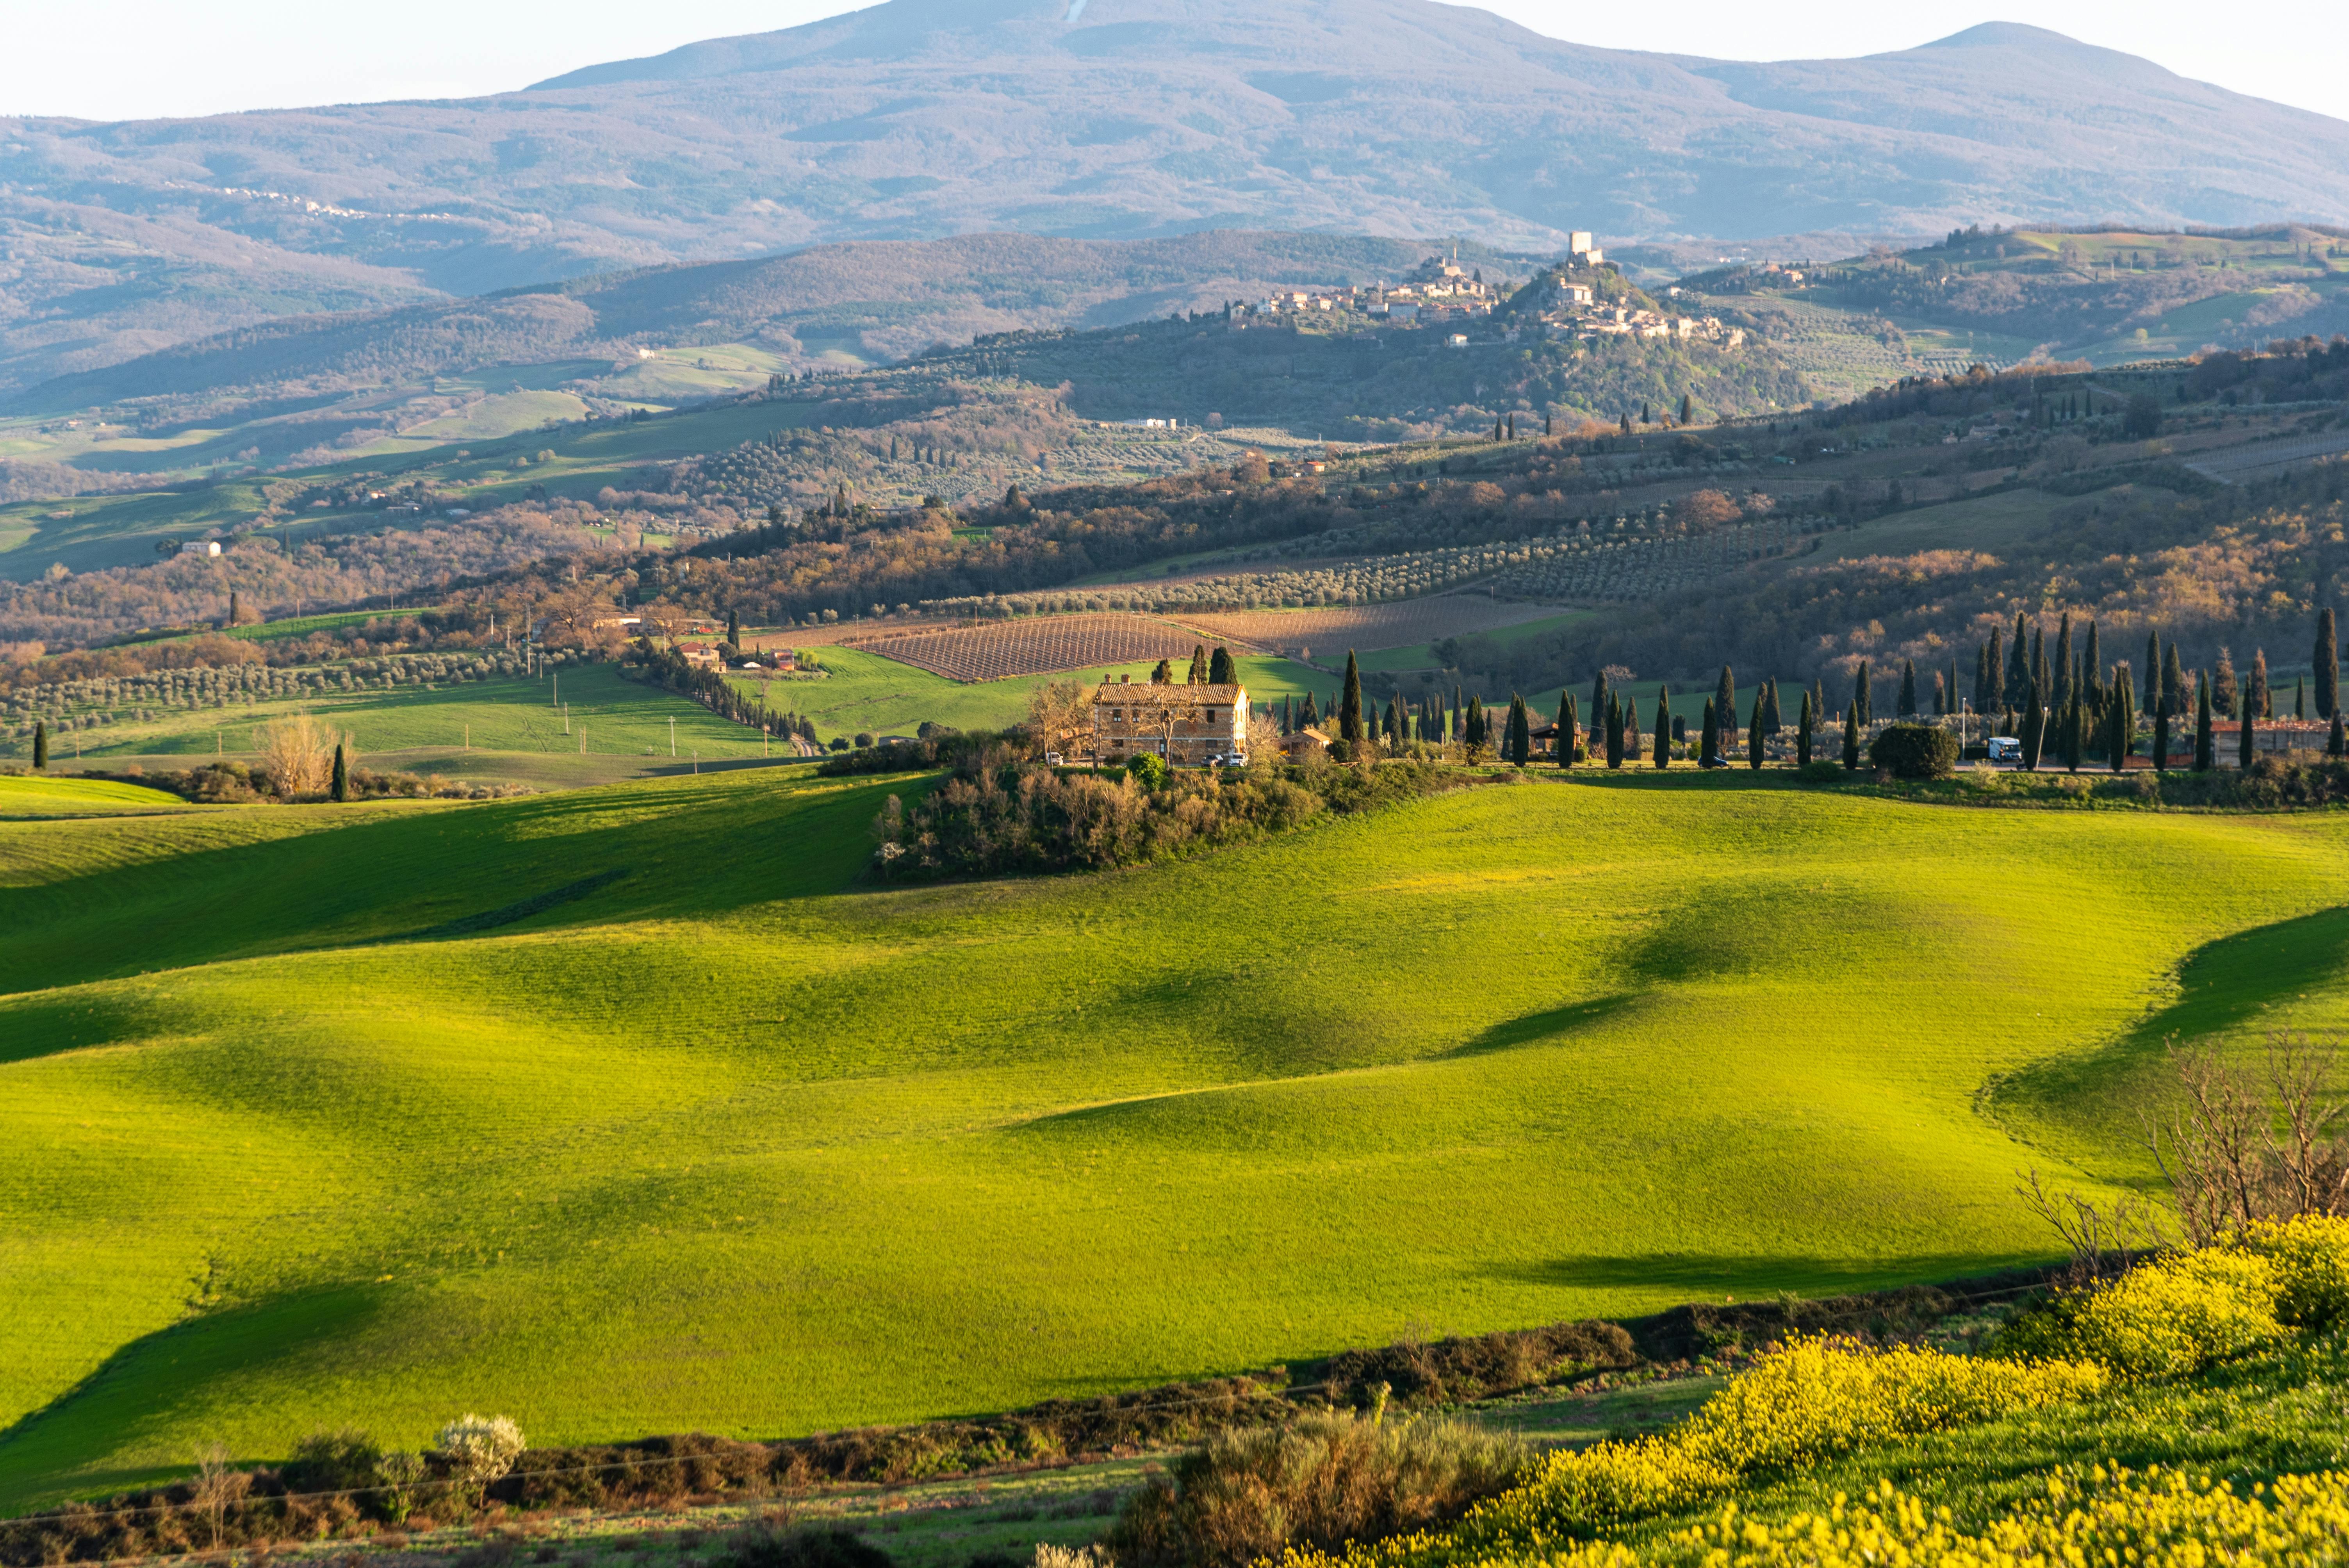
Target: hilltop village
x=1581, y=298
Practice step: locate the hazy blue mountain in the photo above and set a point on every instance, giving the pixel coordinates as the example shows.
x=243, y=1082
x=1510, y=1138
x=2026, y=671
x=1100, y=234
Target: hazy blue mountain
x=919, y=119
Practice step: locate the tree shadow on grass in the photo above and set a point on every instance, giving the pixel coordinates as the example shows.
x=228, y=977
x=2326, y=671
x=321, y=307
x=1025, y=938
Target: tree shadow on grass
x=155, y=1382
x=2224, y=988
x=1539, y=1028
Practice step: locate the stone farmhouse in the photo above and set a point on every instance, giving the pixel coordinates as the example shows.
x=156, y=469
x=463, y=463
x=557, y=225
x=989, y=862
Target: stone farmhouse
x=1184, y=724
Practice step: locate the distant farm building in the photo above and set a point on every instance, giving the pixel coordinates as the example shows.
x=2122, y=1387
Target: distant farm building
x=1183, y=724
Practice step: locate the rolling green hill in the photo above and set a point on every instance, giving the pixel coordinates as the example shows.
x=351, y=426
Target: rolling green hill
x=632, y=1110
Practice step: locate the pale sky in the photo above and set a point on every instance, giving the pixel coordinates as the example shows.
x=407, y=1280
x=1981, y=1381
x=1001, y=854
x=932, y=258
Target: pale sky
x=124, y=60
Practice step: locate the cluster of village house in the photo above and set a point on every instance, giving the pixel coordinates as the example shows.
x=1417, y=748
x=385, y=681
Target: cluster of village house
x=1441, y=294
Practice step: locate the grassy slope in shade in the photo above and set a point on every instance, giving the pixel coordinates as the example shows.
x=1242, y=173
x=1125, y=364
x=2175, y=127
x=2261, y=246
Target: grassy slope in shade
x=734, y=1143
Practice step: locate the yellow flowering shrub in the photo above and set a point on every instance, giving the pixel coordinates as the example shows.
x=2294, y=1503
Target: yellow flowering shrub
x=2310, y=1256
x=1798, y=1405
x=2161, y=1319
x=2162, y=1517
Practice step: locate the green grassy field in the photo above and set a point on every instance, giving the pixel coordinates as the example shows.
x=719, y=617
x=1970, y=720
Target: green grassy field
x=867, y=692
x=34, y=795
x=613, y=719
x=708, y=1134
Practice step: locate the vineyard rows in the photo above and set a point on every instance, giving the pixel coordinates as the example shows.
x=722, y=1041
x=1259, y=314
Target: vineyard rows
x=1034, y=647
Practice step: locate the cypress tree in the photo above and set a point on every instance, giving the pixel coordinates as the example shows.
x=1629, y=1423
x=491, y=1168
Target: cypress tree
x=2066, y=672
x=1818, y=698
x=2039, y=671
x=2075, y=738
x=2174, y=694
x=2160, y=739
x=1725, y=707
x=1709, y=741
x=2224, y=691
x=1851, y=738
x=1950, y=691
x=1198, y=674
x=1565, y=735
x=2204, y=752
x=2018, y=663
x=1631, y=727
x=1165, y=673
x=1599, y=695
x=2328, y=665
x=1350, y=706
x=733, y=629
x=1663, y=727
x=2246, y=738
x=341, y=790
x=2333, y=742
x=1308, y=718
x=237, y=610
x=1685, y=409
x=1989, y=676
x=2034, y=725
x=1753, y=750
x=1941, y=697
x=1863, y=695
x=2092, y=665
x=2256, y=700
x=1220, y=669
x=40, y=745
x=1772, y=721
x=1614, y=731
x=1906, y=706
x=1521, y=731
x=1475, y=730
x=2152, y=675
x=1803, y=733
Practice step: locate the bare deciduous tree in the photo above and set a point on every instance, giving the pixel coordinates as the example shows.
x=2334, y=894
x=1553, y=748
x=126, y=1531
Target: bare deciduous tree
x=2236, y=1151
x=217, y=1486
x=299, y=755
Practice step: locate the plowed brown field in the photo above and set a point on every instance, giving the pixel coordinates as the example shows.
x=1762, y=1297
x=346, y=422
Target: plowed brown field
x=1396, y=625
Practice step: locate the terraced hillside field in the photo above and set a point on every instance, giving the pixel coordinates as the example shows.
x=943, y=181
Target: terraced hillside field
x=631, y=1109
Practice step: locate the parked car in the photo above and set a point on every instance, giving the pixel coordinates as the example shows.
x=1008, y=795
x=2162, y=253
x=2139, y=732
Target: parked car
x=2005, y=748
x=1052, y=760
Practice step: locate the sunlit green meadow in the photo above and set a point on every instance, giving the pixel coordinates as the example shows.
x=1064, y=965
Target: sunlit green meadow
x=708, y=1134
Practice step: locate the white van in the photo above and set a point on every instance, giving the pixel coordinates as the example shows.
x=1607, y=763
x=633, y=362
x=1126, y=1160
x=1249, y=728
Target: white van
x=2005, y=748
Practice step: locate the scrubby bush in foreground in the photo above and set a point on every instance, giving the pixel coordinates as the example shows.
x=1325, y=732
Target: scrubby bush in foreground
x=1322, y=1480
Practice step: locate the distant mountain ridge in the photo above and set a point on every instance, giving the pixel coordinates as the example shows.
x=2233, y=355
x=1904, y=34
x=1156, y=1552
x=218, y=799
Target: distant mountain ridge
x=923, y=118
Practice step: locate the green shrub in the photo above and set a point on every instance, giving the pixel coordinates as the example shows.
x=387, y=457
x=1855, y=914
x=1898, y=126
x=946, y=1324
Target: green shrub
x=1822, y=772
x=1915, y=751
x=764, y=1547
x=1147, y=770
x=332, y=1461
